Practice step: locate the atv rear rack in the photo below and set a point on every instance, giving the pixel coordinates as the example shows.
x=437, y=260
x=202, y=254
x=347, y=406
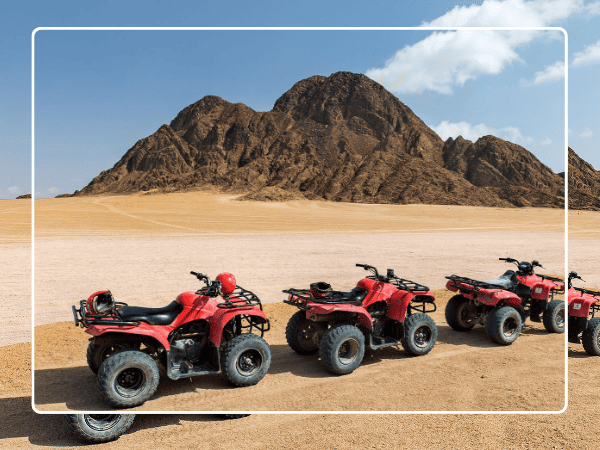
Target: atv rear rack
x=87, y=319
x=475, y=283
x=304, y=294
x=240, y=298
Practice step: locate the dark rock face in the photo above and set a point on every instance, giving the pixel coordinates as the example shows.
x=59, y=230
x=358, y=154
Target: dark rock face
x=584, y=184
x=341, y=138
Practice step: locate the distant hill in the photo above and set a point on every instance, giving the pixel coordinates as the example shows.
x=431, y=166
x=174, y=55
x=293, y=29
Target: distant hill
x=584, y=184
x=341, y=138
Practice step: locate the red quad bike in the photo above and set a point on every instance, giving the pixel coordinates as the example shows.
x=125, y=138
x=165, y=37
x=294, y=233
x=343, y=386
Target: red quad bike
x=504, y=304
x=196, y=334
x=382, y=310
x=100, y=428
x=583, y=326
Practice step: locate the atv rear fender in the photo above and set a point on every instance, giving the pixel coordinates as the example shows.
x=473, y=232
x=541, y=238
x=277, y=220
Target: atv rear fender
x=325, y=309
x=143, y=330
x=400, y=300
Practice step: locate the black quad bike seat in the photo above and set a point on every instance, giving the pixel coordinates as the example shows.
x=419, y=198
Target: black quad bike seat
x=355, y=296
x=507, y=281
x=153, y=316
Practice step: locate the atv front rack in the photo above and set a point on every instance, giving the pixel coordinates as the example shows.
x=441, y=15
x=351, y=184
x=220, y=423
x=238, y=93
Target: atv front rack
x=87, y=319
x=240, y=298
x=588, y=291
x=407, y=285
x=475, y=284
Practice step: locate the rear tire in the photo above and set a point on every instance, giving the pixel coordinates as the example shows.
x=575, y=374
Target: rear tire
x=420, y=334
x=99, y=428
x=245, y=360
x=128, y=378
x=460, y=314
x=591, y=337
x=300, y=332
x=342, y=349
x=101, y=348
x=554, y=317
x=503, y=325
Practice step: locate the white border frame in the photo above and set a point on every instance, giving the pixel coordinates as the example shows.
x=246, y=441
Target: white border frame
x=566, y=137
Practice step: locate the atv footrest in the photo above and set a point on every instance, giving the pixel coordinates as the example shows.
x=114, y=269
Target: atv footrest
x=385, y=342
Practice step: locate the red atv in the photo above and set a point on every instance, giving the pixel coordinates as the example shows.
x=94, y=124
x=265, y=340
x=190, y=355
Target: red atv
x=194, y=335
x=504, y=304
x=381, y=310
x=583, y=326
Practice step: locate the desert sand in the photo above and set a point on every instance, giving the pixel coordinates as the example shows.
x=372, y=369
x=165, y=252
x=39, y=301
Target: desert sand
x=123, y=219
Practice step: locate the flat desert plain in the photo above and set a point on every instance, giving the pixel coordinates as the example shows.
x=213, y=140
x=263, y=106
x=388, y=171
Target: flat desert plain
x=84, y=244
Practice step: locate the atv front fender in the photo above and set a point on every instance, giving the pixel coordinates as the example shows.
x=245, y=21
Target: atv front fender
x=222, y=317
x=399, y=302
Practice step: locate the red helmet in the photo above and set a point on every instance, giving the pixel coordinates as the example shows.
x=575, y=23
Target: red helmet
x=227, y=283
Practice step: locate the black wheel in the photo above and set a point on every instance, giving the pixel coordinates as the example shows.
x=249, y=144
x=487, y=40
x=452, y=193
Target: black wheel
x=99, y=428
x=420, y=334
x=554, y=317
x=460, y=313
x=300, y=334
x=245, y=360
x=101, y=348
x=235, y=416
x=342, y=349
x=128, y=378
x=503, y=325
x=591, y=337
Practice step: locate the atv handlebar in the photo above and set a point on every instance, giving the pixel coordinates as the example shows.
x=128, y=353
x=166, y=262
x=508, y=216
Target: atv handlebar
x=371, y=268
x=534, y=263
x=574, y=276
x=212, y=289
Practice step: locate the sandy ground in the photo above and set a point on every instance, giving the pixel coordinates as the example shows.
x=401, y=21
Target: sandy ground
x=569, y=430
x=572, y=430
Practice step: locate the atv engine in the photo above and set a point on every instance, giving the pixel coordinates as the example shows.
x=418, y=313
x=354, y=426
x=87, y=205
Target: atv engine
x=378, y=312
x=188, y=342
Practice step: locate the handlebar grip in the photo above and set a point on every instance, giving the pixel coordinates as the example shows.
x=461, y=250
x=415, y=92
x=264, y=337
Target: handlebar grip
x=503, y=259
x=194, y=273
x=361, y=265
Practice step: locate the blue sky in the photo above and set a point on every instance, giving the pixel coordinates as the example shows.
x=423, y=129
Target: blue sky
x=98, y=92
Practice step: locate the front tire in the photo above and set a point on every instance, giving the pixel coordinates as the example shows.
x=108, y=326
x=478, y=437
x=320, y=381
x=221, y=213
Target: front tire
x=503, y=325
x=300, y=334
x=245, y=360
x=554, y=317
x=342, y=349
x=591, y=337
x=99, y=428
x=128, y=378
x=460, y=313
x=420, y=334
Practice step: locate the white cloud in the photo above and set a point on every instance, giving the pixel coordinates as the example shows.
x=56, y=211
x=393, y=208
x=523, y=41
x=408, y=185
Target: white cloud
x=473, y=132
x=444, y=60
x=593, y=9
x=551, y=73
x=14, y=190
x=589, y=55
x=53, y=190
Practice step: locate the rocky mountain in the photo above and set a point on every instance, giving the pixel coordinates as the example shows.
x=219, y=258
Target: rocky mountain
x=341, y=138
x=584, y=184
